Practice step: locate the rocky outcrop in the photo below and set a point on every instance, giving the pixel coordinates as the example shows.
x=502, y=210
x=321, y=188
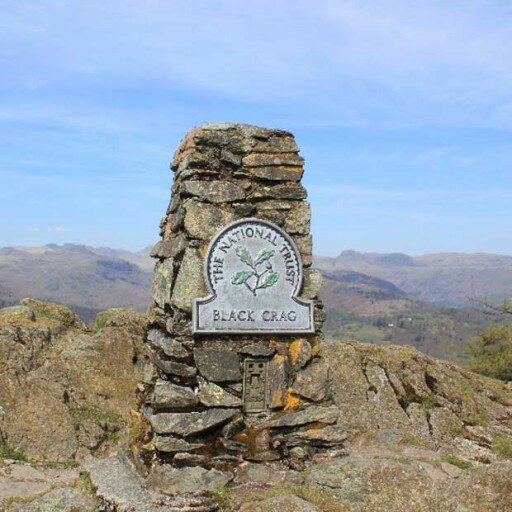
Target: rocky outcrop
x=397, y=395
x=405, y=432
x=66, y=391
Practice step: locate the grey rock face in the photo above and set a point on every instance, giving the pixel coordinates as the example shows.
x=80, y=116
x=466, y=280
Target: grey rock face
x=118, y=486
x=162, y=282
x=169, y=444
x=277, y=172
x=218, y=365
x=377, y=485
x=168, y=395
x=272, y=159
x=330, y=435
x=168, y=345
x=189, y=282
x=202, y=221
x=313, y=382
x=186, y=424
x=313, y=281
x=121, y=489
x=257, y=350
x=174, y=368
x=283, y=502
x=299, y=219
x=212, y=395
x=194, y=480
x=281, y=191
x=18, y=311
x=67, y=499
x=311, y=414
x=214, y=191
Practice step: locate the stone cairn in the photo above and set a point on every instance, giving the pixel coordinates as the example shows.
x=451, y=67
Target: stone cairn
x=193, y=402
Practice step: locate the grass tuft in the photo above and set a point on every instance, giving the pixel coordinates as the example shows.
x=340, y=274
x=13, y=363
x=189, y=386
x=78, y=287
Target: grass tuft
x=459, y=463
x=502, y=445
x=84, y=482
x=8, y=453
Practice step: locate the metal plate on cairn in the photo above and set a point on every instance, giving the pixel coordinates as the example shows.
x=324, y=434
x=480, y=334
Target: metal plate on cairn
x=255, y=385
x=254, y=272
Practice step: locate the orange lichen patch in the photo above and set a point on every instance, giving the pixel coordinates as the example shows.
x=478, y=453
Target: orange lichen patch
x=278, y=359
x=291, y=400
x=273, y=343
x=315, y=346
x=295, y=349
x=312, y=431
x=203, y=250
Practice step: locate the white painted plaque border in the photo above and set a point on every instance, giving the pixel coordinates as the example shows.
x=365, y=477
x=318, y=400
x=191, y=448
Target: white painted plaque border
x=198, y=302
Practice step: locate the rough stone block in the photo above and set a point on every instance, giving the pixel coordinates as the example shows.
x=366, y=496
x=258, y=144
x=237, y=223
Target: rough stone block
x=168, y=395
x=162, y=282
x=305, y=246
x=213, y=191
x=312, y=284
x=298, y=219
x=277, y=381
x=169, y=444
x=328, y=436
x=276, y=172
x=275, y=204
x=203, y=221
x=211, y=395
x=193, y=480
x=174, y=368
x=257, y=350
x=288, y=190
x=300, y=353
x=271, y=159
x=172, y=247
x=189, y=281
x=218, y=365
x=312, y=414
x=194, y=160
x=313, y=382
x=230, y=158
x=189, y=423
x=168, y=345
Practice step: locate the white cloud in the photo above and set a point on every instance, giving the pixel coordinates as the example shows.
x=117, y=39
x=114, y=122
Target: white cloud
x=54, y=229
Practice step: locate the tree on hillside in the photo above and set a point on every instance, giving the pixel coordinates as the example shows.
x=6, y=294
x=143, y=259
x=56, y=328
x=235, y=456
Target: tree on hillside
x=491, y=352
x=504, y=308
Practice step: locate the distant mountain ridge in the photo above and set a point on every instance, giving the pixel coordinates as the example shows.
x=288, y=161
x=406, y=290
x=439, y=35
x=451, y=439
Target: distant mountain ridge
x=451, y=279
x=97, y=278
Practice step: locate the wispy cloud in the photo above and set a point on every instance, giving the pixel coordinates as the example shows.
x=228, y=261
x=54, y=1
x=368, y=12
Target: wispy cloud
x=54, y=229
x=345, y=61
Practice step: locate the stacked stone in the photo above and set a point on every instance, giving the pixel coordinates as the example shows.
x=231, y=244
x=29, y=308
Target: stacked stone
x=225, y=172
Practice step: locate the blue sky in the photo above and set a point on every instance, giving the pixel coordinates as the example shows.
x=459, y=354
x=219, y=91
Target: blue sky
x=402, y=109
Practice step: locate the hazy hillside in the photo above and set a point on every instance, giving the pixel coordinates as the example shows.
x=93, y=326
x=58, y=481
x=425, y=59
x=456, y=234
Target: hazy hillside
x=84, y=277
x=447, y=279
x=364, y=308
x=361, y=293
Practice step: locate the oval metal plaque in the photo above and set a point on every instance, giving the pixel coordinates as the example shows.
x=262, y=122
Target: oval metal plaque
x=254, y=272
